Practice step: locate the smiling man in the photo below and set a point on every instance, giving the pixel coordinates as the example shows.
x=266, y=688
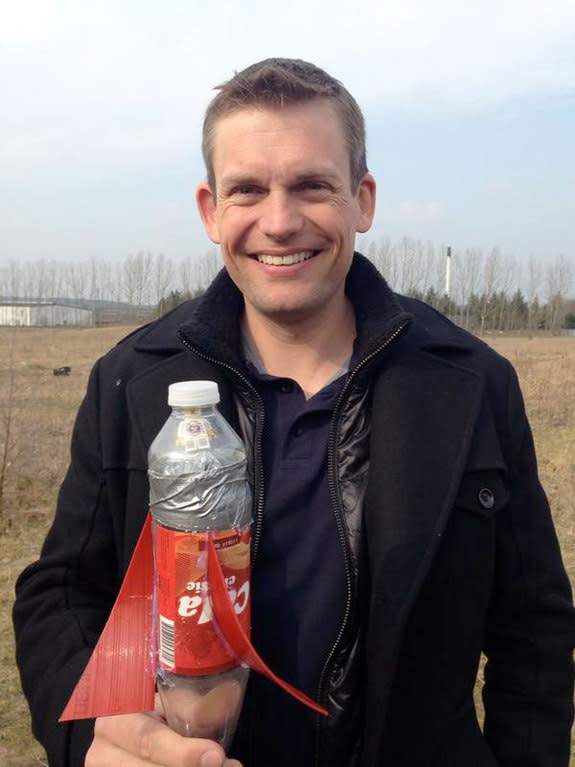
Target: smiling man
x=285, y=212
x=400, y=527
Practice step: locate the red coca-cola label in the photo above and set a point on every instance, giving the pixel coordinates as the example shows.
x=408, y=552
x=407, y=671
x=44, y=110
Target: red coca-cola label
x=188, y=640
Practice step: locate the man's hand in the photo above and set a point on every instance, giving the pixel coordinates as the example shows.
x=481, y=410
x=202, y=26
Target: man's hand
x=137, y=740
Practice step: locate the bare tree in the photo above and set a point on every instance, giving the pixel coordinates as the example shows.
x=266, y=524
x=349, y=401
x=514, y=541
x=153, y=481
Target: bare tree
x=559, y=277
x=534, y=278
x=185, y=277
x=206, y=268
x=406, y=252
x=117, y=292
x=76, y=280
x=14, y=279
x=136, y=277
x=505, y=282
x=430, y=266
x=96, y=277
x=386, y=261
x=162, y=275
x=470, y=267
x=490, y=280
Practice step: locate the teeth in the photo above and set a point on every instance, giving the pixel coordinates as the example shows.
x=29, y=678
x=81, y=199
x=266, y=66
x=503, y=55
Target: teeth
x=292, y=258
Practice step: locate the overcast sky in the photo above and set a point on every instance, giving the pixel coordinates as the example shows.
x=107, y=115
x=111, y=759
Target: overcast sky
x=470, y=110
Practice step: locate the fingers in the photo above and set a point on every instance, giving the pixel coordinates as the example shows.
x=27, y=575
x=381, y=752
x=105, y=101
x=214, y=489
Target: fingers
x=102, y=752
x=136, y=740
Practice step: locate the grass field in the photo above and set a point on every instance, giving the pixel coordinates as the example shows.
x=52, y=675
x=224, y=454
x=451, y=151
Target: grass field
x=42, y=408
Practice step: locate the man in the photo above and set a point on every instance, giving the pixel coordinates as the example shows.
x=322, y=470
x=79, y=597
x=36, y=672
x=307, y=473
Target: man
x=400, y=528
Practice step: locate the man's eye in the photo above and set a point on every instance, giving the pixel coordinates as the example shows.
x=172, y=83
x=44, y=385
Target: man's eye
x=244, y=189
x=313, y=186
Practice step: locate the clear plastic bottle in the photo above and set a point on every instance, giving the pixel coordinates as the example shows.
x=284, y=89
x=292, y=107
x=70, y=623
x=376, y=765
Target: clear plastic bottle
x=198, y=484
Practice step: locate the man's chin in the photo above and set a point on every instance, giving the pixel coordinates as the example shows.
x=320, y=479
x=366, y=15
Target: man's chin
x=285, y=312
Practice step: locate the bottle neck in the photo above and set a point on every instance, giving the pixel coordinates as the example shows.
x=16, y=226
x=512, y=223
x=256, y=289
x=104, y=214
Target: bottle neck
x=185, y=411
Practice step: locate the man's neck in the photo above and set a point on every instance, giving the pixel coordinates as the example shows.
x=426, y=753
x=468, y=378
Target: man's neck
x=309, y=352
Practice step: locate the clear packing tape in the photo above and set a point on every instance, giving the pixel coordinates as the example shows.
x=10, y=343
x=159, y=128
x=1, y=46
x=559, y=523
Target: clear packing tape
x=120, y=675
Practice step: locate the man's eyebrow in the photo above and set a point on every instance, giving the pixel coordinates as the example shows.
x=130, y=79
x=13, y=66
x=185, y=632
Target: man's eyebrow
x=313, y=174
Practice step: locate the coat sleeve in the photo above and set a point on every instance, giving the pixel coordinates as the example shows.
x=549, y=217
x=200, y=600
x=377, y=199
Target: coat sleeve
x=530, y=631
x=63, y=600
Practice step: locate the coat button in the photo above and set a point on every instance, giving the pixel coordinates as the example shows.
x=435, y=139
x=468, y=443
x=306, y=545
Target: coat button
x=486, y=498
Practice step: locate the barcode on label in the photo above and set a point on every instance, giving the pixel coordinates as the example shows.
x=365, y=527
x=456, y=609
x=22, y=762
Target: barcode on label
x=167, y=642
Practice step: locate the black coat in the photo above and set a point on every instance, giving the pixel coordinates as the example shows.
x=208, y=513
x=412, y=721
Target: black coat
x=461, y=552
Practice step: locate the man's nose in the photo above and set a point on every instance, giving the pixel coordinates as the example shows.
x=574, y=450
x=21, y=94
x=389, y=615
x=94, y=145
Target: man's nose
x=280, y=216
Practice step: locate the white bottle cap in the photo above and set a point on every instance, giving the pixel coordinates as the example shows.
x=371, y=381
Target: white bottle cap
x=193, y=393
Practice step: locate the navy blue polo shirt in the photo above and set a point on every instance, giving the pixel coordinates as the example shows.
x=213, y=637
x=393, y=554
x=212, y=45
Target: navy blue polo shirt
x=298, y=582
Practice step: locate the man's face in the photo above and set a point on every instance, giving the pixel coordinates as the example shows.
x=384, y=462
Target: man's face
x=284, y=212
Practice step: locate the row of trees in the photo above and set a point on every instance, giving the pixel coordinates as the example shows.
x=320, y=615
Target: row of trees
x=488, y=291
x=501, y=313
x=140, y=279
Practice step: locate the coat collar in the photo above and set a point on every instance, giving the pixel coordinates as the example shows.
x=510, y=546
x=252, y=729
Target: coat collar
x=212, y=322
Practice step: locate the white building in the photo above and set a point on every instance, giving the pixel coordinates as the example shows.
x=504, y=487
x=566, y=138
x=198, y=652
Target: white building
x=27, y=313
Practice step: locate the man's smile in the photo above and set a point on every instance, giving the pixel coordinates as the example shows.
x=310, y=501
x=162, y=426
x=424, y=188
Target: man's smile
x=285, y=260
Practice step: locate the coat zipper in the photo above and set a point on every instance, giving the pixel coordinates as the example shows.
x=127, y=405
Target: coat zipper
x=258, y=460
x=335, y=496
x=332, y=482
x=258, y=472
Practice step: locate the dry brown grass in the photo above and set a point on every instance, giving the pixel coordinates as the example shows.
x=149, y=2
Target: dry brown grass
x=43, y=410
x=546, y=369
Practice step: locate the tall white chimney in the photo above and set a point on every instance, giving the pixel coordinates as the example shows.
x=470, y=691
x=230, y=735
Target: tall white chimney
x=448, y=272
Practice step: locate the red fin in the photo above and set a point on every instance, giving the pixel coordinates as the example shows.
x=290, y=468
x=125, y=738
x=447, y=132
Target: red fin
x=120, y=676
x=234, y=635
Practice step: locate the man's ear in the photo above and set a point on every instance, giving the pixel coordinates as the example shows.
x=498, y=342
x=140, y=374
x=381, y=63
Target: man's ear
x=365, y=196
x=207, y=207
